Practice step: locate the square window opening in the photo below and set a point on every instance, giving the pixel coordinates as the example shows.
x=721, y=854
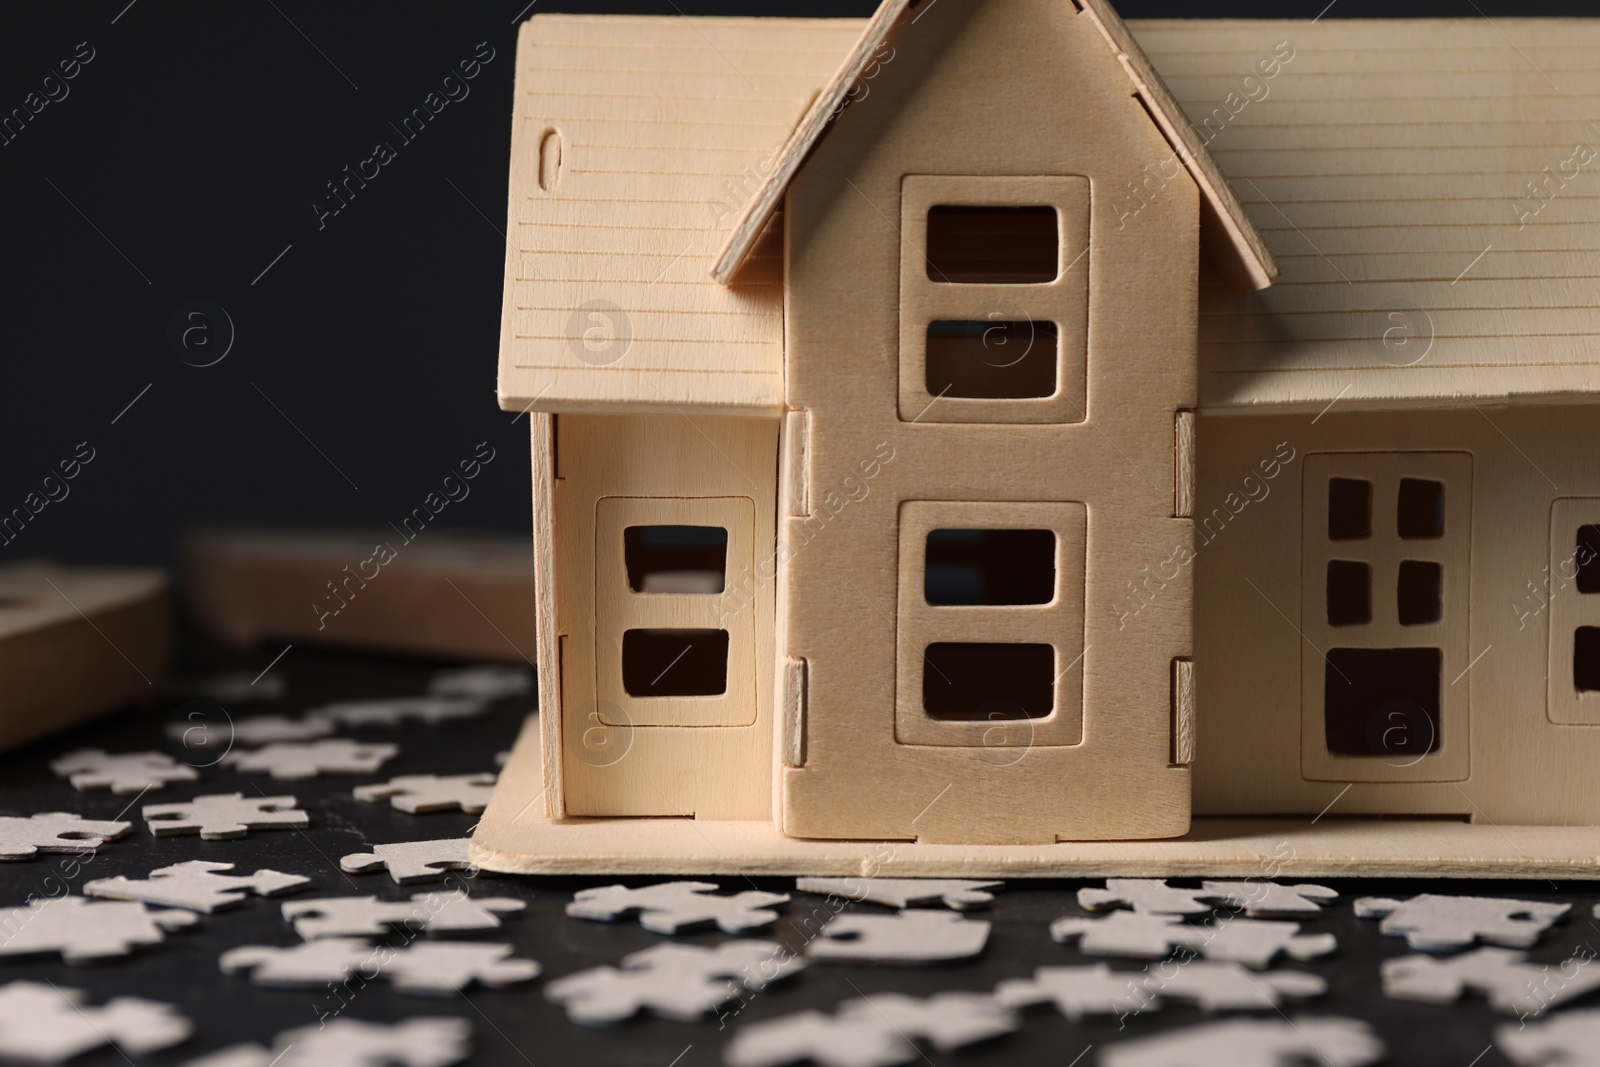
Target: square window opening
x=970, y=682
x=1420, y=592
x=1349, y=593
x=990, y=567
x=1382, y=702
x=675, y=663
x=1586, y=659
x=1586, y=556
x=1420, y=514
x=992, y=360
x=1349, y=509
x=676, y=559
x=993, y=245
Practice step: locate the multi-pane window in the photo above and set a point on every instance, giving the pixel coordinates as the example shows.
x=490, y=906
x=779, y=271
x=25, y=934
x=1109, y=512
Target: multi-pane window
x=994, y=298
x=1570, y=592
x=990, y=627
x=1384, y=616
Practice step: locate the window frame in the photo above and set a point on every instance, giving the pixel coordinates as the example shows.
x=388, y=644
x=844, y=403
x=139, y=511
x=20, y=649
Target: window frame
x=1064, y=301
x=1569, y=609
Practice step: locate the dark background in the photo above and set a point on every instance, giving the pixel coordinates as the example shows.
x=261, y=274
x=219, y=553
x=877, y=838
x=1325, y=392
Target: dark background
x=188, y=156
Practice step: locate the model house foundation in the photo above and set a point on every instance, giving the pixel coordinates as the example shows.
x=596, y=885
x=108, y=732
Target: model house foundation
x=993, y=438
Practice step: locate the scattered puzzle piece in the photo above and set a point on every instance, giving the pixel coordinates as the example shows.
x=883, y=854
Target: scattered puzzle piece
x=196, y=885
x=1147, y=896
x=434, y=913
x=683, y=982
x=958, y=893
x=255, y=730
x=421, y=1042
x=1261, y=899
x=1327, y=1041
x=488, y=682
x=668, y=907
x=430, y=710
x=42, y=1023
x=1098, y=990
x=121, y=772
x=1569, y=1040
x=411, y=861
x=1252, y=942
x=1434, y=923
x=24, y=837
x=1504, y=976
x=904, y=937
x=307, y=759
x=434, y=968
x=83, y=930
x=875, y=1031
x=419, y=793
x=233, y=687
x=222, y=816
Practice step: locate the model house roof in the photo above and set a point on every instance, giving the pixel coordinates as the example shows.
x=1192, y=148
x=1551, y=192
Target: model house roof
x=1389, y=167
x=1244, y=256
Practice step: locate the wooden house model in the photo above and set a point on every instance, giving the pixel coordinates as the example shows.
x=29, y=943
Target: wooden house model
x=958, y=452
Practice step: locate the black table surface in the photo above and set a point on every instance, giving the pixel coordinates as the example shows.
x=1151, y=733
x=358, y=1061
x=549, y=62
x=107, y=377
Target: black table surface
x=518, y=1026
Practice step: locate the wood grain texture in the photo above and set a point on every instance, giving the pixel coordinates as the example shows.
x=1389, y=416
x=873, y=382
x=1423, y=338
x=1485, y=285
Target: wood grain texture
x=665, y=125
x=77, y=642
x=511, y=839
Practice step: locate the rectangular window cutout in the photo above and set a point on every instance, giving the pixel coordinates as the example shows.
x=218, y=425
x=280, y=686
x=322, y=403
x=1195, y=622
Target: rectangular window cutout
x=990, y=567
x=969, y=682
x=675, y=663
x=1586, y=557
x=1586, y=659
x=1349, y=593
x=1420, y=592
x=1421, y=509
x=993, y=245
x=992, y=360
x=1349, y=509
x=676, y=559
x=1382, y=702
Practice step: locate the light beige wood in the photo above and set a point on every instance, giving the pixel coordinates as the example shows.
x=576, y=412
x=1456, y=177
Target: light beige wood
x=542, y=431
x=1380, y=163
x=422, y=591
x=622, y=755
x=664, y=127
x=512, y=839
x=76, y=642
x=1246, y=261
x=1184, y=486
x=1069, y=113
x=1184, y=711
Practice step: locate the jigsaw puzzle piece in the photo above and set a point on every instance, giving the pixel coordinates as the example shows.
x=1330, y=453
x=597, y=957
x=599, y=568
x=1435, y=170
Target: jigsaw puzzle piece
x=682, y=982
x=431, y=710
x=343, y=1042
x=669, y=907
x=122, y=772
x=411, y=861
x=223, y=816
x=24, y=837
x=875, y=1031
x=307, y=759
x=1146, y=896
x=485, y=682
x=195, y=885
x=905, y=937
x=1259, y=899
x=1504, y=976
x=83, y=930
x=1568, y=1040
x=45, y=1023
x=959, y=893
x=416, y=794
x=1431, y=922
x=1127, y=933
x=432, y=968
x=254, y=730
x=1098, y=990
x=1328, y=1041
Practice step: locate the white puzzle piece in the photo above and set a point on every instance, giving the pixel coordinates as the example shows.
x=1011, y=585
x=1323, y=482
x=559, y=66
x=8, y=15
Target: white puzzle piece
x=416, y=794
x=1327, y=1041
x=961, y=894
x=411, y=861
x=1147, y=896
x=83, y=930
x=668, y=907
x=1252, y=942
x=121, y=772
x=433, y=913
x=307, y=759
x=904, y=937
x=1571, y=1039
x=42, y=1023
x=24, y=837
x=1434, y=923
x=429, y=968
x=1504, y=976
x=875, y=1031
x=223, y=816
x=1261, y=899
x=255, y=730
x=420, y=1042
x=487, y=682
x=430, y=710
x=195, y=885
x=683, y=982
x=1098, y=990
